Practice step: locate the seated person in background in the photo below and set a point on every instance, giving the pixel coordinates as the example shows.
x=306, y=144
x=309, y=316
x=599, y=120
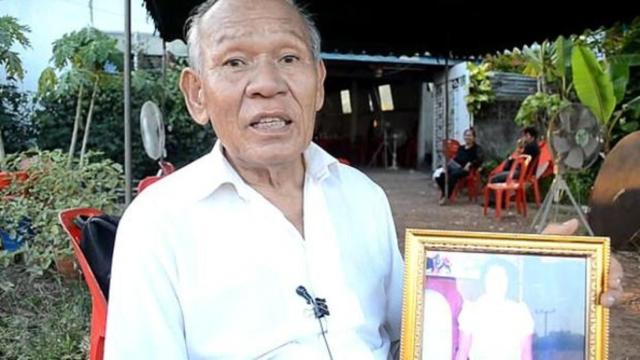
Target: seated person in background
x=530, y=147
x=468, y=156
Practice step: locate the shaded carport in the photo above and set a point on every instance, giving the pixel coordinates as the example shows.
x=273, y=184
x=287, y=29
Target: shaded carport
x=461, y=28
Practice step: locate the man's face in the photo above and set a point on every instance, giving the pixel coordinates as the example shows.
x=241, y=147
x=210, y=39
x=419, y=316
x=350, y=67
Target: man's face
x=527, y=137
x=496, y=282
x=258, y=84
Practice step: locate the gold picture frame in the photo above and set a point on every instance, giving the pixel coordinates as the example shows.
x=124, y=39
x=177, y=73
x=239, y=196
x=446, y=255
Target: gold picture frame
x=429, y=264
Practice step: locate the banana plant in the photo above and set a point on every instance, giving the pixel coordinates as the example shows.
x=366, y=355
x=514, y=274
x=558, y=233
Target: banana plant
x=561, y=58
x=540, y=65
x=601, y=88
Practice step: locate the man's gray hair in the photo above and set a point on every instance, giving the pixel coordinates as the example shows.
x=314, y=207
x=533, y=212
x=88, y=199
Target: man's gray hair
x=193, y=32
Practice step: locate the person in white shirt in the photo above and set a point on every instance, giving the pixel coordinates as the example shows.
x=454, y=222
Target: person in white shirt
x=494, y=326
x=208, y=260
x=437, y=342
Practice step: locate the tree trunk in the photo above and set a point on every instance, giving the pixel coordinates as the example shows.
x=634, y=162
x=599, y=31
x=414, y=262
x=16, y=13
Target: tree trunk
x=76, y=126
x=88, y=123
x=543, y=83
x=91, y=13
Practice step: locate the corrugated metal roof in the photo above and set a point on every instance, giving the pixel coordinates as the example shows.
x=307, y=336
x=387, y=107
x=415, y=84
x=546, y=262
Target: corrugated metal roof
x=150, y=44
x=389, y=59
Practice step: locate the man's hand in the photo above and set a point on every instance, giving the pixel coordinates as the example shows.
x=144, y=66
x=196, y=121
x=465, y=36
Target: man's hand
x=616, y=274
x=467, y=167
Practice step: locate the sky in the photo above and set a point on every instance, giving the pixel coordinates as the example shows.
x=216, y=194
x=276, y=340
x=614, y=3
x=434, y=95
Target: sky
x=50, y=19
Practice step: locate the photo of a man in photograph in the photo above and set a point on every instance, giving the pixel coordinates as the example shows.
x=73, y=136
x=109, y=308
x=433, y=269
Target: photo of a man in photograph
x=496, y=326
x=503, y=307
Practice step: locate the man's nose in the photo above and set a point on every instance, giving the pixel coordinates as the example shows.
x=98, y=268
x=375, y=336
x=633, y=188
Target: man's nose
x=266, y=80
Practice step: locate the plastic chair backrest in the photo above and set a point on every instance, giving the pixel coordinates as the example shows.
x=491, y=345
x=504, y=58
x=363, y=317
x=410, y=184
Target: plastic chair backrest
x=531, y=168
x=545, y=162
x=450, y=148
x=98, y=300
x=67, y=218
x=522, y=163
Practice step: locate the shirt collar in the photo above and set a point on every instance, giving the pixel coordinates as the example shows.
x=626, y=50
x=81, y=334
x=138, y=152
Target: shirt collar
x=319, y=165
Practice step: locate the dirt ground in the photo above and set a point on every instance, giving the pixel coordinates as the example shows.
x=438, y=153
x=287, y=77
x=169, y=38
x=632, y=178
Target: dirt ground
x=414, y=201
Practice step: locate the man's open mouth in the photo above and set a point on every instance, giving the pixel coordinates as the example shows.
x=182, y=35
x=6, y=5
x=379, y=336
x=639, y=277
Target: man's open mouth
x=270, y=123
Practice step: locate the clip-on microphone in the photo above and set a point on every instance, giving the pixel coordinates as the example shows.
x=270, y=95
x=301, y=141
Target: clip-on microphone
x=320, y=307
x=320, y=310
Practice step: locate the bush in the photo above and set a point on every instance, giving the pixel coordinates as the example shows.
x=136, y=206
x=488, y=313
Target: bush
x=581, y=183
x=18, y=132
x=51, y=187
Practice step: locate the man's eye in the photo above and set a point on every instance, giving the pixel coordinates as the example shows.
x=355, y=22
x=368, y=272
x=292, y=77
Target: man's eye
x=234, y=63
x=290, y=59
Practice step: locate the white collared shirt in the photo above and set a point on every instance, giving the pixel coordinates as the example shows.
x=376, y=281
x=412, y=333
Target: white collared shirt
x=205, y=267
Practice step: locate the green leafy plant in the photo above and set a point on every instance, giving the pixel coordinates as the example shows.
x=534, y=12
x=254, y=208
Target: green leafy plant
x=538, y=109
x=87, y=59
x=593, y=85
x=51, y=187
x=11, y=33
x=480, y=89
x=561, y=58
x=540, y=64
x=581, y=183
x=508, y=61
x=185, y=139
x=602, y=90
x=16, y=124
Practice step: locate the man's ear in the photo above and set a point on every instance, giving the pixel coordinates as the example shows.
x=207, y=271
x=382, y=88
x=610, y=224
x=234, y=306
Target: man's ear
x=322, y=74
x=193, y=92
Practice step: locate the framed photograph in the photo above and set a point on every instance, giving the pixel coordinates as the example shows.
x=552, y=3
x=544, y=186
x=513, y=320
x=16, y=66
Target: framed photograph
x=500, y=296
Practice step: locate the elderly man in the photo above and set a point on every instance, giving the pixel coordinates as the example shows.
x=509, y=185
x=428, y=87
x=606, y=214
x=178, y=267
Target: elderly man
x=221, y=259
x=208, y=260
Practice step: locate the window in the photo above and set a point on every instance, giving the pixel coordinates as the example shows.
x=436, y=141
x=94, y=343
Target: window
x=386, y=100
x=345, y=98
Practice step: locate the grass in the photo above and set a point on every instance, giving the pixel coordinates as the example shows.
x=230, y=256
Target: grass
x=42, y=318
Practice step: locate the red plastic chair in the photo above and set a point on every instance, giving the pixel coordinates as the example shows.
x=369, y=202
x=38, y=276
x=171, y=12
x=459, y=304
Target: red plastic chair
x=7, y=178
x=450, y=148
x=471, y=182
x=504, y=189
x=540, y=168
x=544, y=162
x=98, y=300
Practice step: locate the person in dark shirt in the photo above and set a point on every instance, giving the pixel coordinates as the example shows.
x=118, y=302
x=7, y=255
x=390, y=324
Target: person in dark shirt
x=468, y=156
x=531, y=148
